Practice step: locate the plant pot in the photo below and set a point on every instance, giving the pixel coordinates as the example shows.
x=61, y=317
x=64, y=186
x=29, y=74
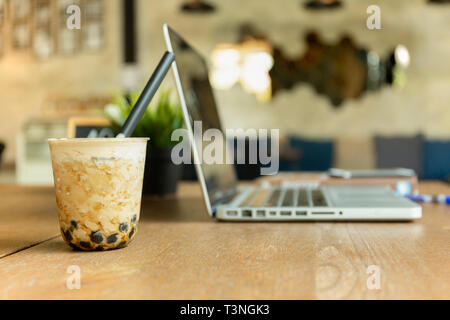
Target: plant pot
x=161, y=174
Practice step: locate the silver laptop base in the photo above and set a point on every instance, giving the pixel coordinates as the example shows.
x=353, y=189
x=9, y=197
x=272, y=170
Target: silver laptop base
x=321, y=204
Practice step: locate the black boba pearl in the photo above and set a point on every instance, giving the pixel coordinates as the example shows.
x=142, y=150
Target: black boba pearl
x=74, y=224
x=74, y=247
x=134, y=219
x=97, y=237
x=113, y=238
x=123, y=227
x=123, y=244
x=85, y=245
x=67, y=235
x=100, y=248
x=130, y=236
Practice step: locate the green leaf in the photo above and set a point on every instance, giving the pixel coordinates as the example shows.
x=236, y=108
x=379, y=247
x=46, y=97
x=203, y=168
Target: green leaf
x=161, y=118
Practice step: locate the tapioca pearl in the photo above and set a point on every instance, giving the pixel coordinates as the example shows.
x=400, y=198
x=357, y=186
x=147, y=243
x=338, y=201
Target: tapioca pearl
x=121, y=245
x=85, y=245
x=97, y=237
x=134, y=219
x=112, y=238
x=74, y=224
x=124, y=227
x=100, y=248
x=67, y=235
x=74, y=247
x=131, y=234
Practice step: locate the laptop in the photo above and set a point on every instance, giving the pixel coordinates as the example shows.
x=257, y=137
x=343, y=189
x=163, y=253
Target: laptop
x=226, y=201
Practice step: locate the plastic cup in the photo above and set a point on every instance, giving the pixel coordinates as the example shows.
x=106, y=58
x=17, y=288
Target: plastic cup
x=98, y=184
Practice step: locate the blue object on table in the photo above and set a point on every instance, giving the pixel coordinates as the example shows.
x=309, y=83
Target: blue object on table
x=314, y=155
x=442, y=199
x=403, y=188
x=437, y=160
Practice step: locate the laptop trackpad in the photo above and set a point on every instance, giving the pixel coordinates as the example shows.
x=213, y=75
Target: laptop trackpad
x=357, y=197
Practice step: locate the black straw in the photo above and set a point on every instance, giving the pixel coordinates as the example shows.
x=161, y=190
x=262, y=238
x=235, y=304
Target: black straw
x=147, y=95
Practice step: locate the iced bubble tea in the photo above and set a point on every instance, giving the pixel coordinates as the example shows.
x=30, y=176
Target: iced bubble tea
x=98, y=185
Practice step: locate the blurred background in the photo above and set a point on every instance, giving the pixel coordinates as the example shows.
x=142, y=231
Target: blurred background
x=342, y=95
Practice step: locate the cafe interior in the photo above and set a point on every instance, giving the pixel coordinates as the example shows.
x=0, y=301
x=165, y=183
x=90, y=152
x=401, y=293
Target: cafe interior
x=357, y=85
x=342, y=93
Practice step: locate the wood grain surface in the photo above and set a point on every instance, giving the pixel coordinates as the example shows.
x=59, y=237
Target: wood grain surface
x=27, y=216
x=180, y=253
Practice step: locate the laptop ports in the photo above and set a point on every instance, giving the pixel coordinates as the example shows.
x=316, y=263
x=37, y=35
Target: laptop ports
x=261, y=214
x=232, y=213
x=323, y=213
x=247, y=213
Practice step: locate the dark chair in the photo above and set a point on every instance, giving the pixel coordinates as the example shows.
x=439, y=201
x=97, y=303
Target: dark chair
x=313, y=155
x=400, y=152
x=437, y=160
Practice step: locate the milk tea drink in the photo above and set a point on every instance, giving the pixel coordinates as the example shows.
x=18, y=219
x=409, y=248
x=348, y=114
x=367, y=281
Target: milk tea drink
x=98, y=184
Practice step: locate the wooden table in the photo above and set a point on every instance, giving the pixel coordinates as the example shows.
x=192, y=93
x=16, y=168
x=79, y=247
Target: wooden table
x=180, y=253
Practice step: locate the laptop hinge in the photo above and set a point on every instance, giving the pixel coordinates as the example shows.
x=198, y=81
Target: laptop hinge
x=223, y=200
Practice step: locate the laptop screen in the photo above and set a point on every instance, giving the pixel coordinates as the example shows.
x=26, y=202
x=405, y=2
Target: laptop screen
x=220, y=179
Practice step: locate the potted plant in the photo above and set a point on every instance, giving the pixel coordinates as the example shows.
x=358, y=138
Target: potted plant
x=160, y=120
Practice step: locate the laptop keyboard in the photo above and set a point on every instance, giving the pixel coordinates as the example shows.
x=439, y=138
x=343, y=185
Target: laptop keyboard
x=227, y=199
x=318, y=199
x=302, y=198
x=285, y=198
x=274, y=199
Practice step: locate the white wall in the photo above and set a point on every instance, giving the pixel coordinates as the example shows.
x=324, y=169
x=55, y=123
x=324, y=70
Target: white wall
x=26, y=83
x=423, y=105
